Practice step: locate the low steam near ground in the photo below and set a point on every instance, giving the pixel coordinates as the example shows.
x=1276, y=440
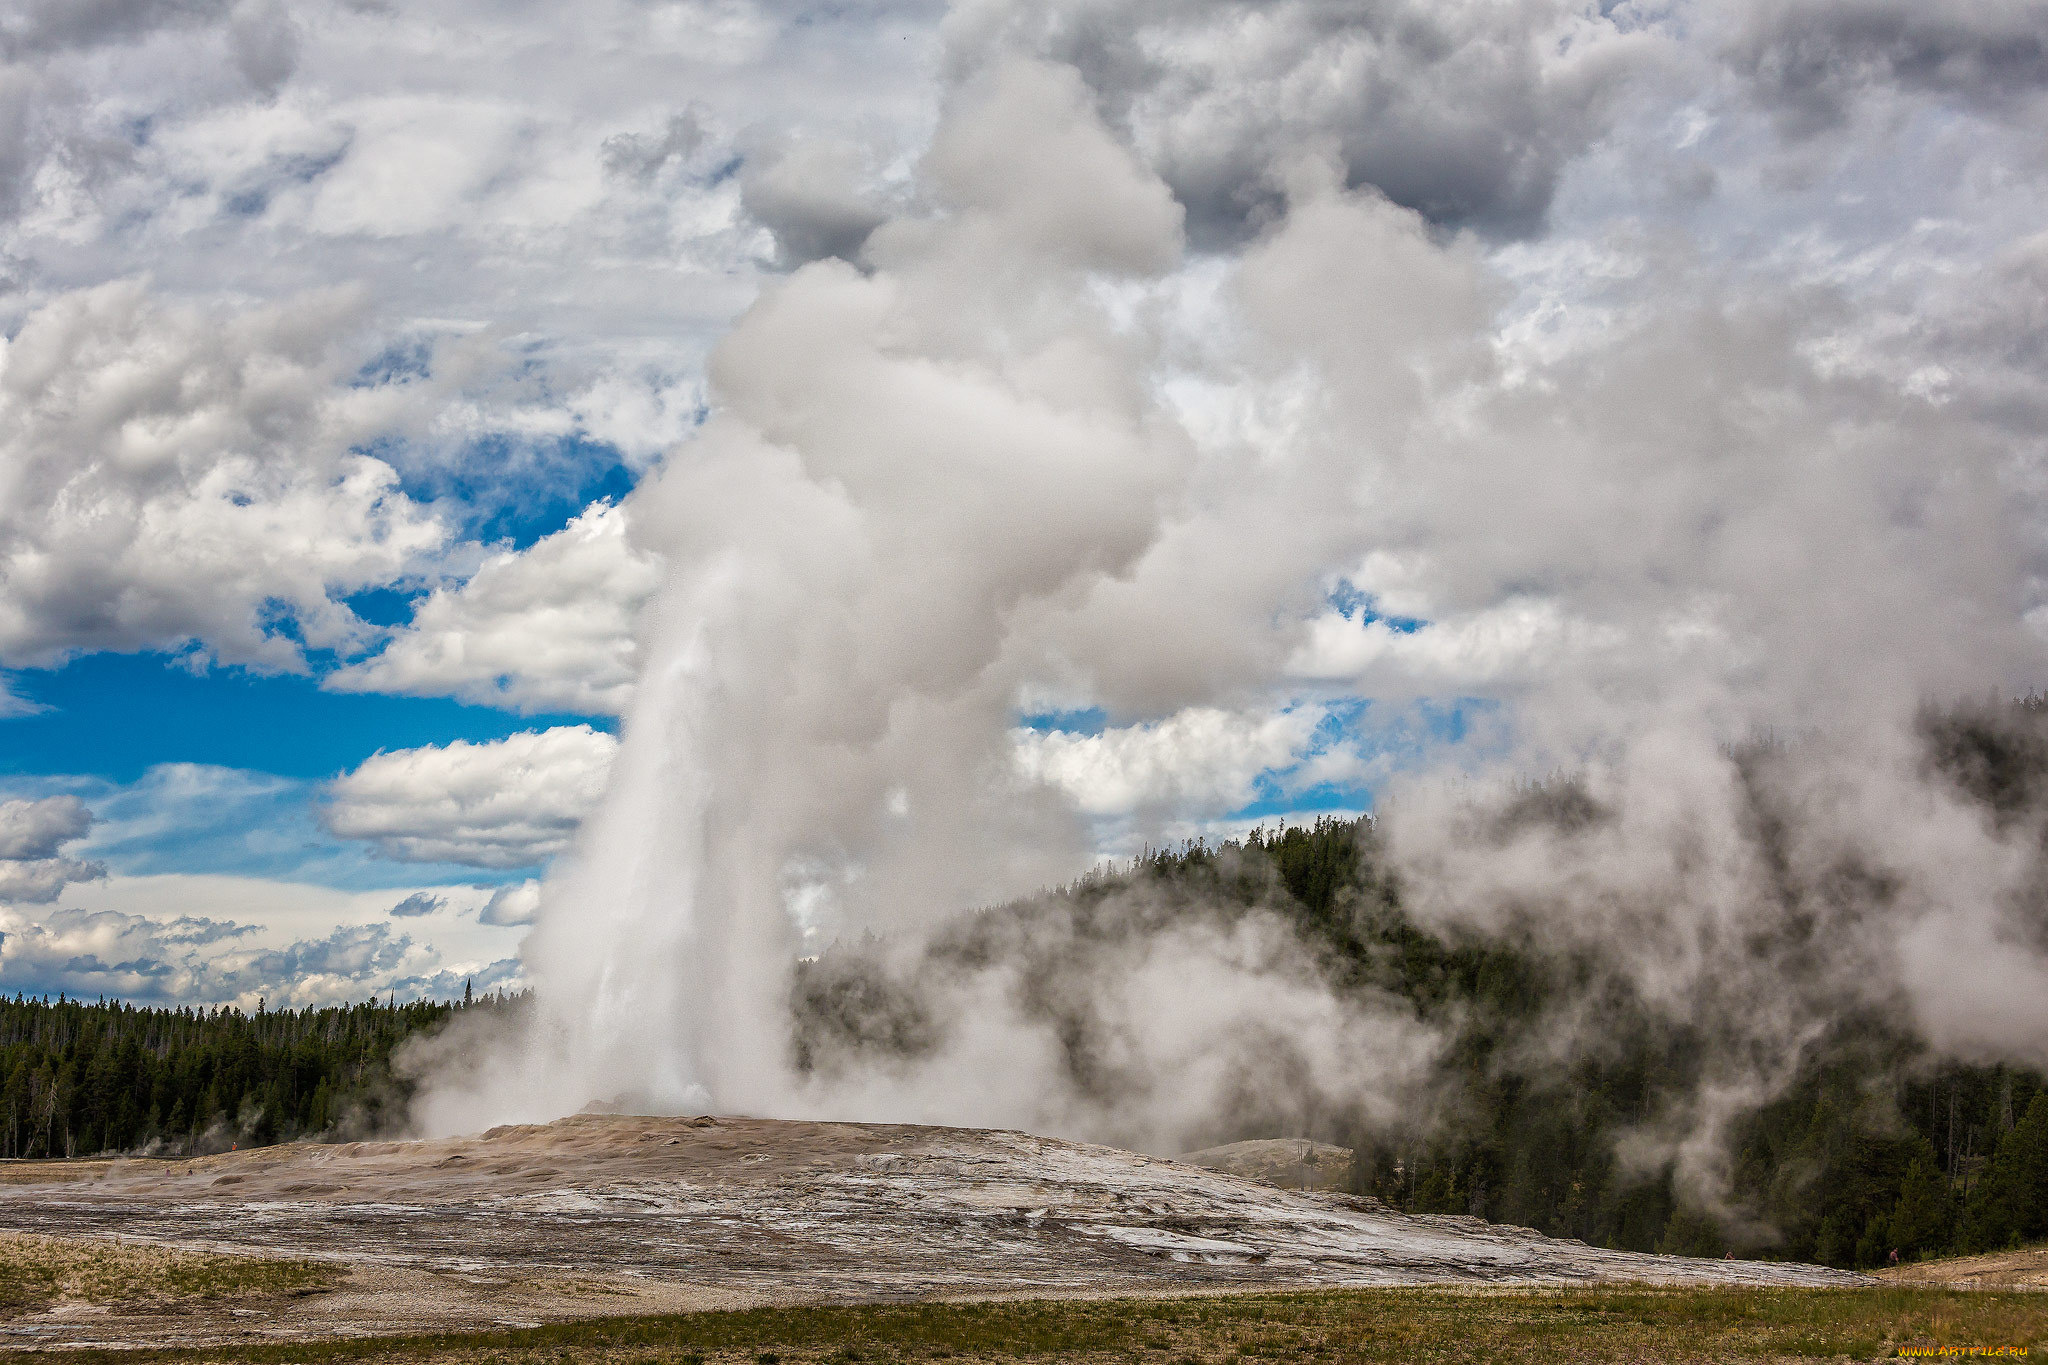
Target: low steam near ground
x=1096, y=413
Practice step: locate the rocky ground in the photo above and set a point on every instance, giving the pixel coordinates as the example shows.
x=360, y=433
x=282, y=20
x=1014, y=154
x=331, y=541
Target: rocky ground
x=601, y=1215
x=1291, y=1163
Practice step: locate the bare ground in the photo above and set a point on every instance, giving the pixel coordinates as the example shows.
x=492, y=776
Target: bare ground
x=604, y=1215
x=1291, y=1163
x=2024, y=1268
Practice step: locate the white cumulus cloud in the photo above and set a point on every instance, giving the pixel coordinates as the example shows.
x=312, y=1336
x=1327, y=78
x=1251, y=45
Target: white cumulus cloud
x=1202, y=758
x=513, y=802
x=1507, y=643
x=518, y=903
x=549, y=628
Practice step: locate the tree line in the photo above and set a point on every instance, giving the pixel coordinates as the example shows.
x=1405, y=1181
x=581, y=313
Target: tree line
x=79, y=1078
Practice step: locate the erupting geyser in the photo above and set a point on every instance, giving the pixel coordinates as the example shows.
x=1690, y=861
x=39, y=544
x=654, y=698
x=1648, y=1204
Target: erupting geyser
x=1028, y=453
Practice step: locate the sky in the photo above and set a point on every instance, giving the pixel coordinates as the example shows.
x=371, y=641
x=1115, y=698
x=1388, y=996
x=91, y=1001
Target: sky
x=346, y=345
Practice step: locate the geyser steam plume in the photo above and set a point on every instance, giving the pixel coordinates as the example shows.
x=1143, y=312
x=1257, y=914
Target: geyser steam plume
x=1029, y=454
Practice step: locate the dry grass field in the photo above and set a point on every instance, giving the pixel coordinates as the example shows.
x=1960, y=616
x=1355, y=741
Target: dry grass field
x=43, y=1275
x=1610, y=1324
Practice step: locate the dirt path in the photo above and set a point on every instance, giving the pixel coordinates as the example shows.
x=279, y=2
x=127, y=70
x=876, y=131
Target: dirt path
x=596, y=1215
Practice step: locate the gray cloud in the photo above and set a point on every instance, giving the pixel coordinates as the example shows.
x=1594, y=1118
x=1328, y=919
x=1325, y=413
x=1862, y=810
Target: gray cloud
x=346, y=964
x=352, y=953
x=40, y=881
x=32, y=870
x=265, y=43
x=418, y=903
x=1816, y=60
x=1467, y=114
x=816, y=195
x=20, y=138
x=37, y=829
x=185, y=960
x=642, y=156
x=43, y=25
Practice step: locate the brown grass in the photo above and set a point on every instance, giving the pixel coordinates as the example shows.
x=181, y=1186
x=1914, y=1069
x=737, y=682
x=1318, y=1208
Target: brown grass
x=43, y=1272
x=1608, y=1325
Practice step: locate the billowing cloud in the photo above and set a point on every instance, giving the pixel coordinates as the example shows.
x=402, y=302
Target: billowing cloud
x=249, y=148
x=174, y=475
x=549, y=628
x=1465, y=113
x=816, y=195
x=507, y=803
x=642, y=156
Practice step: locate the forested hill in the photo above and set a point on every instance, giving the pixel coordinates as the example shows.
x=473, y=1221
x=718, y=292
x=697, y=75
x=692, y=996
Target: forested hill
x=1875, y=1143
x=1875, y=1146
x=78, y=1079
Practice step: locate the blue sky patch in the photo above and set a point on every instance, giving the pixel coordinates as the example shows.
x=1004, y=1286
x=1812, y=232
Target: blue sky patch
x=509, y=493
x=115, y=716
x=1087, y=721
x=388, y=607
x=1354, y=604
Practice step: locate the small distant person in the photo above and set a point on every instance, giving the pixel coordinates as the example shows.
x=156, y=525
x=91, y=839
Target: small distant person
x=1895, y=1255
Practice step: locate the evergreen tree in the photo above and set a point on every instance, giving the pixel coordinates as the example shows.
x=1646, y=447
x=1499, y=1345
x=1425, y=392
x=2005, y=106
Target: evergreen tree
x=1921, y=1224
x=1691, y=1233
x=2010, y=1204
